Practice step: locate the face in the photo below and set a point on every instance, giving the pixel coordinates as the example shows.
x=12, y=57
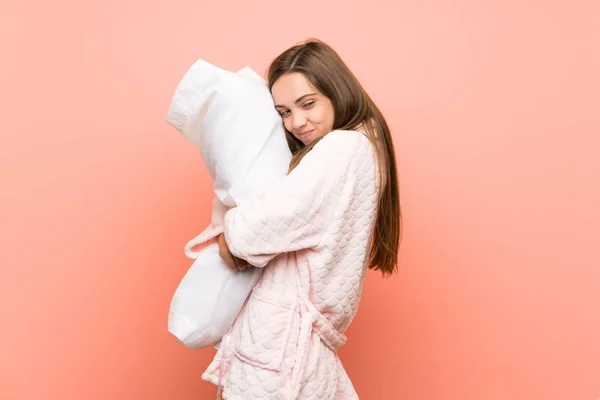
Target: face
x=306, y=112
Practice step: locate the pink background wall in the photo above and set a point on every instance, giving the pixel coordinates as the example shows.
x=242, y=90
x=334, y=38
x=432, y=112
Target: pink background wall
x=496, y=116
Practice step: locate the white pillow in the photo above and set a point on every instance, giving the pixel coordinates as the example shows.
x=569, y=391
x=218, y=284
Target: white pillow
x=208, y=299
x=231, y=118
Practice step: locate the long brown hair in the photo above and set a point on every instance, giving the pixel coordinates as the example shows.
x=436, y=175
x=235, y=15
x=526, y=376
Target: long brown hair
x=353, y=110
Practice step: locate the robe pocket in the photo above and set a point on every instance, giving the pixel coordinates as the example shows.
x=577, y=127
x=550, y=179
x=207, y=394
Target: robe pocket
x=264, y=331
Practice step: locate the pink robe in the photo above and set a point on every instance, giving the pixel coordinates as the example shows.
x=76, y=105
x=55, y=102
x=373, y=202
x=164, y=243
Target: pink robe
x=312, y=233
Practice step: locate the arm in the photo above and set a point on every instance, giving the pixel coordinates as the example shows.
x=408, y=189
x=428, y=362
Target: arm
x=295, y=212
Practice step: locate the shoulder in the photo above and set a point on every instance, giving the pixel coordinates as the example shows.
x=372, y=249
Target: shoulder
x=340, y=142
x=350, y=151
x=336, y=152
x=351, y=137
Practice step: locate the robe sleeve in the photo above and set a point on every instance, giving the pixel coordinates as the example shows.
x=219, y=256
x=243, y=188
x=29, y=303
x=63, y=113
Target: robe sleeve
x=295, y=212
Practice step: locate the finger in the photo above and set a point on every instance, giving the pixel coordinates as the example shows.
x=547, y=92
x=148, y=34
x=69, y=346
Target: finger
x=228, y=258
x=226, y=254
x=242, y=264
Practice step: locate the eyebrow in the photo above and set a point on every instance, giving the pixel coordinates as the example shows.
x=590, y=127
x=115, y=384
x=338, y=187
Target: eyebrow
x=297, y=101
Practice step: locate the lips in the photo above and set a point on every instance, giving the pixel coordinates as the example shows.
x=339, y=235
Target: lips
x=304, y=135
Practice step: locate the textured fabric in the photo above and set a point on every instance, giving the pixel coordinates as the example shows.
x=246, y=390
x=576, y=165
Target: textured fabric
x=312, y=234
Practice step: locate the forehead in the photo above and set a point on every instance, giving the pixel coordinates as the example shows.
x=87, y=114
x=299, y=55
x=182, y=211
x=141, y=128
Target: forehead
x=289, y=87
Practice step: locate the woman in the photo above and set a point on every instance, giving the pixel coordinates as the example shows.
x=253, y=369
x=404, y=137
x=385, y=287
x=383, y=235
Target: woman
x=315, y=232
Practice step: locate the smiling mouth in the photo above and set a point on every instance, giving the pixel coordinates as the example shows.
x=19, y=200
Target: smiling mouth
x=304, y=134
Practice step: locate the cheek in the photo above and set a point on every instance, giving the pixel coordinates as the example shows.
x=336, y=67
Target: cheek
x=320, y=116
x=287, y=123
x=330, y=120
x=326, y=118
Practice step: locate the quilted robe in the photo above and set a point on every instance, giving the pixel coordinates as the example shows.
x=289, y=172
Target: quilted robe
x=312, y=233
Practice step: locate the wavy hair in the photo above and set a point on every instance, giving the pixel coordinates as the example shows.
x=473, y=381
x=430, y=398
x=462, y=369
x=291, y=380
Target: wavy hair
x=353, y=110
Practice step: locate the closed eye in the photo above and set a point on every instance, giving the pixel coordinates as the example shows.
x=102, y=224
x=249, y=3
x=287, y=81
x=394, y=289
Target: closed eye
x=306, y=105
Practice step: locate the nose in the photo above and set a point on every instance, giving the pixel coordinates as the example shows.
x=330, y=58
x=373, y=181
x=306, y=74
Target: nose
x=298, y=120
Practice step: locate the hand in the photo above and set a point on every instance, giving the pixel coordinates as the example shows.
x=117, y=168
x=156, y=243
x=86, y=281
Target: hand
x=232, y=261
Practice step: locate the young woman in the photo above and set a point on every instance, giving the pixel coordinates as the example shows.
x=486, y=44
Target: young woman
x=315, y=232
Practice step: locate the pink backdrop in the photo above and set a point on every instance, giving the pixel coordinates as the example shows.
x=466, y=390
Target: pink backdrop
x=496, y=117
